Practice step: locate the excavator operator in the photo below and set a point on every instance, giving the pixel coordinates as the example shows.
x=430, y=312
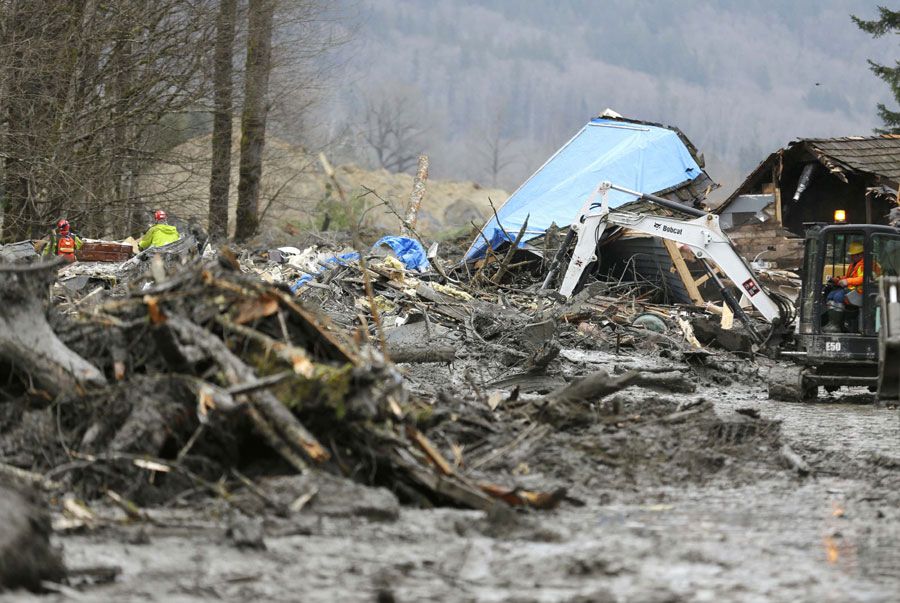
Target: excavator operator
x=848, y=289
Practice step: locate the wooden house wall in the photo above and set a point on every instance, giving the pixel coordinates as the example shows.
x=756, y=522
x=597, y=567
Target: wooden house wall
x=781, y=247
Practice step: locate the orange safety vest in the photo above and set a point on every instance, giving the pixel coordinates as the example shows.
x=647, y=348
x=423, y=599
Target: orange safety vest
x=856, y=273
x=65, y=246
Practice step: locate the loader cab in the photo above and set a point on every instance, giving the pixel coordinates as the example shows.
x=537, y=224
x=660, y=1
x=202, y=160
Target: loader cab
x=851, y=336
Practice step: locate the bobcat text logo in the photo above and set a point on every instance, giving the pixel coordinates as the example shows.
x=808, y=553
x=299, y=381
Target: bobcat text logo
x=669, y=229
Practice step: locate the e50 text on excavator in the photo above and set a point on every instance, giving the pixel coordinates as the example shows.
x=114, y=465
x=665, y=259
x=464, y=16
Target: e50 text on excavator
x=845, y=328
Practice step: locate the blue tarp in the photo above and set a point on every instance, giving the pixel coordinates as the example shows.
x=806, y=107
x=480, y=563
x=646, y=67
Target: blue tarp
x=408, y=251
x=642, y=158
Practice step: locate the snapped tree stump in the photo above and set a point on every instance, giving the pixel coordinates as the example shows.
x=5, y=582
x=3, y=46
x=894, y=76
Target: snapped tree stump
x=27, y=343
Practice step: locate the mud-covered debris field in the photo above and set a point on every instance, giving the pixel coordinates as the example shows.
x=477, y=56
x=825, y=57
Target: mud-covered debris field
x=320, y=422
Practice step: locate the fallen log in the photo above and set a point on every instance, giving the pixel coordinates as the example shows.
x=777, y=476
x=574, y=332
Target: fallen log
x=572, y=404
x=673, y=381
x=590, y=388
x=421, y=342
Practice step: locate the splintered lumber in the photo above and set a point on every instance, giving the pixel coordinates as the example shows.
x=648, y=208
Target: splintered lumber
x=281, y=420
x=415, y=198
x=327, y=338
x=727, y=317
x=683, y=273
x=522, y=498
x=28, y=343
x=297, y=358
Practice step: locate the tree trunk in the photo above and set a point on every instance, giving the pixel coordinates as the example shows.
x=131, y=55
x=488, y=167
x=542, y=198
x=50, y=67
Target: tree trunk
x=253, y=120
x=220, y=174
x=28, y=343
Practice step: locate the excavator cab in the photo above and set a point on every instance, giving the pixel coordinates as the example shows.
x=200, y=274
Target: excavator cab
x=837, y=334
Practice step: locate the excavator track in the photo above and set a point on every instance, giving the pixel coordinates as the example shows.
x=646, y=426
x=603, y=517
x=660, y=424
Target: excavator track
x=787, y=383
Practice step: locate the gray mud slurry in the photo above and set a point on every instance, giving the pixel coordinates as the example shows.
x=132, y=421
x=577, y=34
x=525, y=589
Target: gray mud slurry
x=697, y=544
x=751, y=533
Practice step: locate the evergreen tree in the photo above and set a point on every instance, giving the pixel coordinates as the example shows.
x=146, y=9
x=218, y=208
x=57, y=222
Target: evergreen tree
x=888, y=23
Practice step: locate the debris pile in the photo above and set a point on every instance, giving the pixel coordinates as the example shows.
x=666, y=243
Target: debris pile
x=179, y=378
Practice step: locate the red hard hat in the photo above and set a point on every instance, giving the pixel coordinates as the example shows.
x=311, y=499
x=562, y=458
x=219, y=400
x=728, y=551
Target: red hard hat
x=63, y=225
x=160, y=214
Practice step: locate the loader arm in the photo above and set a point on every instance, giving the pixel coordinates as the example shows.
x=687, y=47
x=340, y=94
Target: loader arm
x=701, y=235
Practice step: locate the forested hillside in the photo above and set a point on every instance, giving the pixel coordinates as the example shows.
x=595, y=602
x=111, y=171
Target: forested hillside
x=497, y=85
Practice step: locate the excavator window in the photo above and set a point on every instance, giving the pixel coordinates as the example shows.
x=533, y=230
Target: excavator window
x=840, y=251
x=885, y=262
x=811, y=283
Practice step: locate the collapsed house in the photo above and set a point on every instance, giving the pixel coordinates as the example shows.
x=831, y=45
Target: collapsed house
x=642, y=156
x=808, y=182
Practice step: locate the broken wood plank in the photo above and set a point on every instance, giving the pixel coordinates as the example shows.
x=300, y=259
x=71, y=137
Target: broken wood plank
x=727, y=317
x=683, y=273
x=701, y=280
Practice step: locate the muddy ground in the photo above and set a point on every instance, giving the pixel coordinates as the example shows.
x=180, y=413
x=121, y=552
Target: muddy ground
x=700, y=509
x=687, y=485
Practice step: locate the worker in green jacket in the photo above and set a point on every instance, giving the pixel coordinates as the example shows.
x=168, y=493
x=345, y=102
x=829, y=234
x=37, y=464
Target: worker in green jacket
x=160, y=233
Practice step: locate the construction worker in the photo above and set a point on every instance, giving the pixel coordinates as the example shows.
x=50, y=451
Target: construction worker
x=160, y=233
x=848, y=291
x=63, y=243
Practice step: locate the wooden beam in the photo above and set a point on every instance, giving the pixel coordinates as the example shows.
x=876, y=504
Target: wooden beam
x=778, y=205
x=776, y=173
x=683, y=273
x=701, y=280
x=727, y=317
x=777, y=186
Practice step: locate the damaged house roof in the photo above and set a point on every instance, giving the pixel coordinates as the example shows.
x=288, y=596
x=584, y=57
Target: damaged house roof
x=812, y=177
x=641, y=156
x=877, y=155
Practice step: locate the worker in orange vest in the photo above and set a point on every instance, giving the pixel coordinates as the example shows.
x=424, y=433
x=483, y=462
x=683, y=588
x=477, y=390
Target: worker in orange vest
x=63, y=243
x=847, y=289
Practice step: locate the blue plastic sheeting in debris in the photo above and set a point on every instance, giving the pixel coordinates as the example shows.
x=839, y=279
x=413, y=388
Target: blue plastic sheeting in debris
x=337, y=260
x=408, y=251
x=642, y=158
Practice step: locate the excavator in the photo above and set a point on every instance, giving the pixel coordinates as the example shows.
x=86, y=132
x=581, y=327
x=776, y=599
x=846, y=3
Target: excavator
x=858, y=347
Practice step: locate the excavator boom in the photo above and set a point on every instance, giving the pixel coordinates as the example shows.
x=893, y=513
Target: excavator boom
x=701, y=235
